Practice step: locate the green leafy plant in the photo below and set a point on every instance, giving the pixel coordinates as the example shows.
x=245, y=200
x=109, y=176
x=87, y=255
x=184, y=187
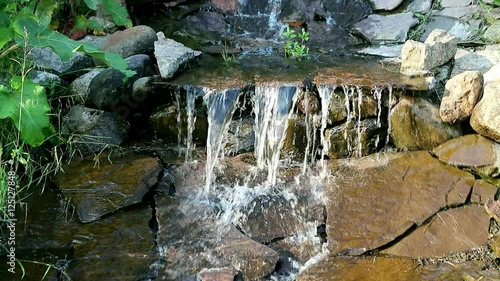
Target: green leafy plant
x=295, y=43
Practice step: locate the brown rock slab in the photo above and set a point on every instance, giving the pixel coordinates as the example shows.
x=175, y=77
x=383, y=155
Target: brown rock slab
x=482, y=191
x=389, y=268
x=361, y=268
x=492, y=207
x=377, y=198
x=466, y=271
x=415, y=124
x=99, y=189
x=467, y=151
x=461, y=95
x=471, y=151
x=452, y=230
x=119, y=247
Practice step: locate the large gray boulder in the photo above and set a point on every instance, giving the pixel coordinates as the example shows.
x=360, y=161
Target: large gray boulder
x=170, y=55
x=484, y=119
x=419, y=58
x=391, y=28
x=460, y=97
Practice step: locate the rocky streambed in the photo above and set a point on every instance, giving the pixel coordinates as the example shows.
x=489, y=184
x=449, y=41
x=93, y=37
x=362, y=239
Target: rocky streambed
x=375, y=162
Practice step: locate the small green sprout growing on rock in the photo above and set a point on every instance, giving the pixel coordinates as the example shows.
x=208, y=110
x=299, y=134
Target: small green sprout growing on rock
x=295, y=44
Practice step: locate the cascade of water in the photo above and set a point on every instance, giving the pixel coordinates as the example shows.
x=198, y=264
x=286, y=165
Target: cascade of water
x=389, y=88
x=177, y=93
x=273, y=106
x=275, y=6
x=191, y=95
x=377, y=95
x=325, y=93
x=309, y=132
x=358, y=127
x=348, y=92
x=221, y=107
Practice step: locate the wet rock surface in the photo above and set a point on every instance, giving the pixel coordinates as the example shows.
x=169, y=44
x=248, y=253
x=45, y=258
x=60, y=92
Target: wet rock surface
x=192, y=240
x=468, y=151
x=114, y=185
x=119, y=247
x=401, y=184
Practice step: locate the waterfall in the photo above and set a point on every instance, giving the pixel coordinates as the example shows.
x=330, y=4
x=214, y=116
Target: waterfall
x=191, y=95
x=272, y=106
x=325, y=93
x=221, y=107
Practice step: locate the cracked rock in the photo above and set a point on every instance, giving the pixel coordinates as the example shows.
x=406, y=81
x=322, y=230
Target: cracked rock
x=404, y=190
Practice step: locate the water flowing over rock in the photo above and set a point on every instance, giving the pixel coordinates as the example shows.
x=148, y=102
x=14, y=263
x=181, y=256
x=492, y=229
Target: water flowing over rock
x=485, y=114
x=132, y=41
x=460, y=97
x=391, y=179
x=415, y=124
x=418, y=58
x=170, y=55
x=473, y=151
x=98, y=192
x=390, y=28
x=94, y=130
x=192, y=240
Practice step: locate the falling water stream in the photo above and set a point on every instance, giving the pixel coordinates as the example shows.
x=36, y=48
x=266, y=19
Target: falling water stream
x=273, y=106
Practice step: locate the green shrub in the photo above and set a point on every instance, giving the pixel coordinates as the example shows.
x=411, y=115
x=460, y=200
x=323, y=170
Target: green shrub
x=295, y=44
